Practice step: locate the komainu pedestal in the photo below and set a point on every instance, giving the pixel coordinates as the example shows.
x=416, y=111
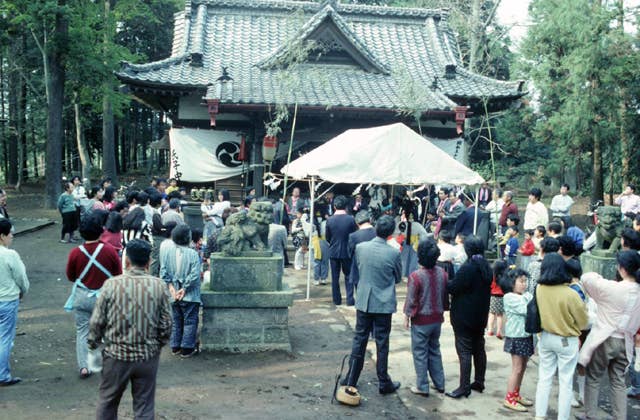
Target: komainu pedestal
x=247, y=306
x=601, y=263
x=602, y=258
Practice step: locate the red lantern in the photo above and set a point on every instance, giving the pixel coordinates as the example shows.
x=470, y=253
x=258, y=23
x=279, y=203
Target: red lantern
x=242, y=154
x=269, y=148
x=461, y=115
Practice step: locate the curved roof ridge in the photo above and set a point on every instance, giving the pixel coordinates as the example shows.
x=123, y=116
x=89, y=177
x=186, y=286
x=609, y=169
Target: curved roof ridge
x=510, y=83
x=311, y=6
x=314, y=23
x=154, y=65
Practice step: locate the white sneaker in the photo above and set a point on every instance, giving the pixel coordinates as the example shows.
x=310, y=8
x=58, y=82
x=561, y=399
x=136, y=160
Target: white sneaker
x=316, y=283
x=575, y=403
x=323, y=282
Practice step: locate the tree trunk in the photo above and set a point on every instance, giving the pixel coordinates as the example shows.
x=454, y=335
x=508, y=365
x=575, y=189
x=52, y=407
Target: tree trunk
x=82, y=144
x=22, y=132
x=34, y=148
x=597, y=188
x=474, y=34
x=3, y=121
x=108, y=134
x=14, y=112
x=624, y=135
x=24, y=170
x=55, y=88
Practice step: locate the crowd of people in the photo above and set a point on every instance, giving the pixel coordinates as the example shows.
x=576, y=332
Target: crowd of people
x=138, y=273
x=588, y=325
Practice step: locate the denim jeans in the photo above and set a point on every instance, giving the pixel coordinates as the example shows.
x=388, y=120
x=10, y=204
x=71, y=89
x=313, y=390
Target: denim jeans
x=185, y=325
x=634, y=377
x=561, y=353
x=82, y=309
x=321, y=269
x=427, y=360
x=8, y=319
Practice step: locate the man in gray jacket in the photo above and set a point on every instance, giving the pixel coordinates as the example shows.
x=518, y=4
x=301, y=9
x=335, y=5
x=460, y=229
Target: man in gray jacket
x=380, y=270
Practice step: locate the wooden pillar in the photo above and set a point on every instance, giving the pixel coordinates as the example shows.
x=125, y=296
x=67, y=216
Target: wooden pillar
x=256, y=157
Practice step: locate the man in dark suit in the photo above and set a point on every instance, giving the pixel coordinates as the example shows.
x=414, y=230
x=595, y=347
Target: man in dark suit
x=380, y=270
x=365, y=233
x=326, y=207
x=339, y=226
x=464, y=224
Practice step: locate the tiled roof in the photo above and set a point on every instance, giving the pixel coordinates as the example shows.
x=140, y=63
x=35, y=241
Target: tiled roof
x=394, y=51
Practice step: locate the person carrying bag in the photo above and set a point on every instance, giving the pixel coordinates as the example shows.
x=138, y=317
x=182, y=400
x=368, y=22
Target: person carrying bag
x=88, y=267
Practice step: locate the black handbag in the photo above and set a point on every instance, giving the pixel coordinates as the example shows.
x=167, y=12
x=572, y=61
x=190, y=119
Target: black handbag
x=532, y=323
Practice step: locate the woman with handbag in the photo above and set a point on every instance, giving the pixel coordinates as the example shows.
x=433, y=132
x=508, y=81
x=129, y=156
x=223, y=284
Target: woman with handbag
x=88, y=267
x=563, y=315
x=470, y=290
x=609, y=345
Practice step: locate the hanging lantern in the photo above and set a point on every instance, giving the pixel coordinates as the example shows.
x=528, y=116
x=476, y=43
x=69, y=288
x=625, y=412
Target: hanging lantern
x=242, y=154
x=269, y=148
x=461, y=115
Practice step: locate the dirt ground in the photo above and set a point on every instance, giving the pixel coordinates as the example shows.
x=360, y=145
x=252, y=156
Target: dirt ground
x=278, y=385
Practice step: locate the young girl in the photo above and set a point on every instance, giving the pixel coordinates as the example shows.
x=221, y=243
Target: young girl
x=518, y=342
x=461, y=256
x=538, y=235
x=112, y=234
x=67, y=209
x=496, y=308
x=527, y=249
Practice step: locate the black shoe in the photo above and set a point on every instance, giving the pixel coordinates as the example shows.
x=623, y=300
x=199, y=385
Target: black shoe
x=477, y=386
x=459, y=393
x=440, y=390
x=187, y=353
x=176, y=351
x=11, y=381
x=390, y=389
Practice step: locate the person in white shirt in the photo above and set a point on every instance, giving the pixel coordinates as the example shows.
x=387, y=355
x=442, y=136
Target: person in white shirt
x=561, y=203
x=494, y=207
x=628, y=201
x=536, y=213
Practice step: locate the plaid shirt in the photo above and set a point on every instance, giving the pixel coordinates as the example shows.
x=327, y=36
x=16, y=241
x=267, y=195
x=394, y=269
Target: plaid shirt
x=132, y=315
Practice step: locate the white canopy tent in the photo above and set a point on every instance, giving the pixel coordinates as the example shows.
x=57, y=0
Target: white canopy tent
x=390, y=154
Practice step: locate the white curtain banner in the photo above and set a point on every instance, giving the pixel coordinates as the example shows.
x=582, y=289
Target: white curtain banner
x=204, y=155
x=454, y=148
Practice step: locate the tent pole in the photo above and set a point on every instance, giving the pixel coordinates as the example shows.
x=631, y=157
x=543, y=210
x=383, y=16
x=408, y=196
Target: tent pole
x=312, y=216
x=475, y=213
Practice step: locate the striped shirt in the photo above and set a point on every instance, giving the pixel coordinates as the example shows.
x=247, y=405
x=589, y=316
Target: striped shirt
x=132, y=315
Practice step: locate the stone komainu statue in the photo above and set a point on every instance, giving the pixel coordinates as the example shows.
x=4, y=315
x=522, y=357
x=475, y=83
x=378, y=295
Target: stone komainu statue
x=246, y=231
x=609, y=229
x=262, y=214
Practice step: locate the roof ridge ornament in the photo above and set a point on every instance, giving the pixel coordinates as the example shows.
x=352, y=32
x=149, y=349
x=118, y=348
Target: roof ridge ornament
x=328, y=25
x=331, y=3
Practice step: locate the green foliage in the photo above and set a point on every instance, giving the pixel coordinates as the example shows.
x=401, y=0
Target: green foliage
x=583, y=67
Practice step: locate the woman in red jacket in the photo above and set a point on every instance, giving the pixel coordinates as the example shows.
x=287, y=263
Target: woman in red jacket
x=88, y=267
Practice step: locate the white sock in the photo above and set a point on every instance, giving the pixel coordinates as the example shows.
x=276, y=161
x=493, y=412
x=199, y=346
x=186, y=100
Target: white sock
x=636, y=365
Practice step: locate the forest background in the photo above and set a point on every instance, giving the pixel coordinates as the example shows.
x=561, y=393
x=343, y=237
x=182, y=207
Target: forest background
x=62, y=112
